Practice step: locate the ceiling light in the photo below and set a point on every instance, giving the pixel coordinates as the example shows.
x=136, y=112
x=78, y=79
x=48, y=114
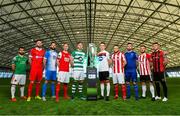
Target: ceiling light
x=41, y=19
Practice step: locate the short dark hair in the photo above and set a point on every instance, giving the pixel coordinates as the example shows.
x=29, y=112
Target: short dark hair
x=156, y=43
x=38, y=40
x=52, y=42
x=65, y=43
x=129, y=43
x=21, y=48
x=116, y=45
x=142, y=46
x=79, y=42
x=102, y=43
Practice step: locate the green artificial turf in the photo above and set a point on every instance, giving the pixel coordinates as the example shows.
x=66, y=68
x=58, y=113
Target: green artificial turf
x=100, y=107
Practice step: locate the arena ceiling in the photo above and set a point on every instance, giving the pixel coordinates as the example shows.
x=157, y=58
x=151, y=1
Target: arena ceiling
x=111, y=21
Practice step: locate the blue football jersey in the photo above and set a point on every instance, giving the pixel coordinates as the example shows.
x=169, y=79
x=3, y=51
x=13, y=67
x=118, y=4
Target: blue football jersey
x=131, y=58
x=51, y=60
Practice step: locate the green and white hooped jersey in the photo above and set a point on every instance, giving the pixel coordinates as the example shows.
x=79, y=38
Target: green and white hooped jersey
x=79, y=60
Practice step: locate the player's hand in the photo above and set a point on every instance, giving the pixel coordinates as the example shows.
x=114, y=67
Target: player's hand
x=151, y=68
x=72, y=64
x=165, y=64
x=124, y=65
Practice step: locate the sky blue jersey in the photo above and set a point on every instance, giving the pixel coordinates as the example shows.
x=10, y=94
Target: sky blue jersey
x=51, y=60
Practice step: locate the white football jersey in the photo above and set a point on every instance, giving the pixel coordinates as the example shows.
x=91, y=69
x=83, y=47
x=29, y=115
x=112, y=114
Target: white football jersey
x=103, y=58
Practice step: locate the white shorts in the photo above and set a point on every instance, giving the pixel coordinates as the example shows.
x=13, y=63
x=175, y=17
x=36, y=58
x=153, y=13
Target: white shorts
x=78, y=75
x=63, y=77
x=118, y=78
x=18, y=79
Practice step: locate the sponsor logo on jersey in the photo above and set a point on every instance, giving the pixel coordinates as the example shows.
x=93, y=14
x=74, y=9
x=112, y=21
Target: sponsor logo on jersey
x=100, y=58
x=66, y=59
x=80, y=59
x=39, y=57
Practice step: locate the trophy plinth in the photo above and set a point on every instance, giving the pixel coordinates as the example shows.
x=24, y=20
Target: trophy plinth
x=91, y=73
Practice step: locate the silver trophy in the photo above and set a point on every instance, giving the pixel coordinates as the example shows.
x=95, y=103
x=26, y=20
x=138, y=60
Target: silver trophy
x=92, y=51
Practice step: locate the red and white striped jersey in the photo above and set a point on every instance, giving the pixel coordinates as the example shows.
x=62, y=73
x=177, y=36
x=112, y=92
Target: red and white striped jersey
x=118, y=62
x=144, y=64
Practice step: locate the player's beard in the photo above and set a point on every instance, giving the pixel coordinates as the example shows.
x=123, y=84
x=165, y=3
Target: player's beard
x=143, y=52
x=52, y=48
x=39, y=46
x=116, y=51
x=21, y=53
x=155, y=50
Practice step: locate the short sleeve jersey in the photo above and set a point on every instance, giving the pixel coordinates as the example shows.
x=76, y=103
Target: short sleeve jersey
x=51, y=60
x=64, y=61
x=79, y=58
x=103, y=58
x=20, y=63
x=131, y=58
x=158, y=61
x=37, y=56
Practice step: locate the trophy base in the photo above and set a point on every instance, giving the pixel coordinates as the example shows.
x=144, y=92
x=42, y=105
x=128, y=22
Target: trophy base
x=91, y=83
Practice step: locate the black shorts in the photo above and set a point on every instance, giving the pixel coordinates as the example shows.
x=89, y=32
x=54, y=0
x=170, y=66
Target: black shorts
x=145, y=78
x=104, y=75
x=158, y=76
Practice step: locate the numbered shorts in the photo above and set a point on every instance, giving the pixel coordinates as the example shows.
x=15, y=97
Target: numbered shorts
x=50, y=75
x=63, y=77
x=118, y=78
x=18, y=79
x=78, y=75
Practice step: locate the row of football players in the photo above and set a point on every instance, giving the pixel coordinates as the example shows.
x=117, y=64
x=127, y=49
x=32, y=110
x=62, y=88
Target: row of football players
x=124, y=71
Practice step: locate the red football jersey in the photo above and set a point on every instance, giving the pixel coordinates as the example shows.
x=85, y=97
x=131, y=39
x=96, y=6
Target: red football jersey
x=144, y=64
x=64, y=61
x=158, y=61
x=37, y=56
x=118, y=62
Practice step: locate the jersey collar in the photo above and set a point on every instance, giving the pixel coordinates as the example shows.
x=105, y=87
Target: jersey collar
x=65, y=51
x=157, y=50
x=20, y=55
x=129, y=51
x=79, y=50
x=38, y=48
x=103, y=51
x=117, y=52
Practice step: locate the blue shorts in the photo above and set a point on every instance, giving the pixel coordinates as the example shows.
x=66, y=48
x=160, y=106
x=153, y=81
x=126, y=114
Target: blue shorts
x=131, y=76
x=50, y=75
